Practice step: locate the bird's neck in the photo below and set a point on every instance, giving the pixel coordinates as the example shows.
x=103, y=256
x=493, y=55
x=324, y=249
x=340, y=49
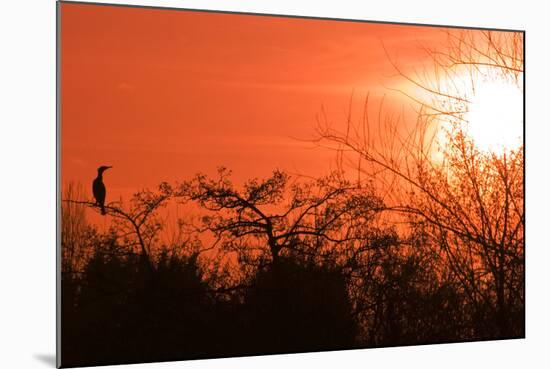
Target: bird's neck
x=99, y=175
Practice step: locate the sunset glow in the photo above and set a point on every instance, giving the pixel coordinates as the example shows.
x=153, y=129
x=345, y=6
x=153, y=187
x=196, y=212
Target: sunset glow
x=495, y=116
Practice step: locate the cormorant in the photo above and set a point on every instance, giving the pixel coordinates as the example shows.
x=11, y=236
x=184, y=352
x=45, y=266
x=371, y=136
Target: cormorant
x=98, y=188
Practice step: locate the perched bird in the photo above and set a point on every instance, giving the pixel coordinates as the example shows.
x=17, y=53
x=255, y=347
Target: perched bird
x=98, y=188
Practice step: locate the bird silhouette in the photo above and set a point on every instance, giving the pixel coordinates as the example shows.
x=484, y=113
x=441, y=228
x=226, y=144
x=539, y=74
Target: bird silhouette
x=98, y=188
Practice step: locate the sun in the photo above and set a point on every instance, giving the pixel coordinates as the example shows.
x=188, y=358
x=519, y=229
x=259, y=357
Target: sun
x=494, y=119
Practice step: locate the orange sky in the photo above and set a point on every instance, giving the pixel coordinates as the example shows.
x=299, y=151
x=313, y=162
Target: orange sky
x=163, y=94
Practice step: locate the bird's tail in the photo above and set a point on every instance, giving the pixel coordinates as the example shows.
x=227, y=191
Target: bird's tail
x=103, y=212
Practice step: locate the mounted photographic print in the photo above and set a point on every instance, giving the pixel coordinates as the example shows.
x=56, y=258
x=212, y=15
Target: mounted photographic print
x=235, y=184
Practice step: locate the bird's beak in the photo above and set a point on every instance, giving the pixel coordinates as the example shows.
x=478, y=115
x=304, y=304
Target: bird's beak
x=109, y=167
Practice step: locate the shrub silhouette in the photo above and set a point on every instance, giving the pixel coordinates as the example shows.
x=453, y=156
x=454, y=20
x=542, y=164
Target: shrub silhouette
x=318, y=273
x=293, y=307
x=124, y=314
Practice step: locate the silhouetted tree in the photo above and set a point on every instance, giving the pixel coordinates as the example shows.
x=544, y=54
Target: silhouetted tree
x=270, y=217
x=293, y=242
x=119, y=316
x=138, y=224
x=468, y=202
x=295, y=307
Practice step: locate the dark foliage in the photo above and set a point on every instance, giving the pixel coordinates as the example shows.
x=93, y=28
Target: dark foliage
x=321, y=275
x=121, y=312
x=293, y=307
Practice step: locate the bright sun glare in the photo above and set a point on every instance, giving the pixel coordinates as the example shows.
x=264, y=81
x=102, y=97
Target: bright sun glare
x=495, y=116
